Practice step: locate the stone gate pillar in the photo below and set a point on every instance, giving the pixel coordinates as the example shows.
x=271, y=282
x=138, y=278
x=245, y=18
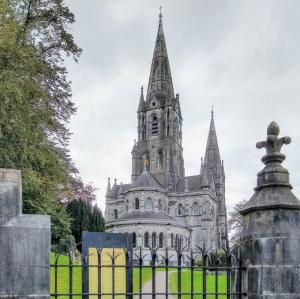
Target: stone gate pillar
x=24, y=244
x=270, y=242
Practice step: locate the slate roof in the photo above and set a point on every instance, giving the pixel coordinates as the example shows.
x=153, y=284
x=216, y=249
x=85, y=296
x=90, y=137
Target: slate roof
x=118, y=189
x=146, y=179
x=193, y=183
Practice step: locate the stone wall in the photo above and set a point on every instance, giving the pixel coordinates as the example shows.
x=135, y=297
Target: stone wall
x=24, y=244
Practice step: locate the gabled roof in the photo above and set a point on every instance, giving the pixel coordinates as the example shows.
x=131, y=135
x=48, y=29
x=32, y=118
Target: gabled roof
x=193, y=183
x=146, y=179
x=118, y=189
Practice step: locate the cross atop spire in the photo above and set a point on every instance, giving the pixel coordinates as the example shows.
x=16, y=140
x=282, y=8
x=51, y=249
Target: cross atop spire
x=160, y=15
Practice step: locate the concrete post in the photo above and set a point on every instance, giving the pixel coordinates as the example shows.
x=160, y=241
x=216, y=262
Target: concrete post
x=24, y=244
x=270, y=242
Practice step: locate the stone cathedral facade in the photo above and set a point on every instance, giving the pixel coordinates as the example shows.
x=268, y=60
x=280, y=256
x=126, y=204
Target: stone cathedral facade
x=161, y=206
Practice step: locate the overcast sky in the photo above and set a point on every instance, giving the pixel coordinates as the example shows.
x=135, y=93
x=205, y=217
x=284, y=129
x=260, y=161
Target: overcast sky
x=242, y=57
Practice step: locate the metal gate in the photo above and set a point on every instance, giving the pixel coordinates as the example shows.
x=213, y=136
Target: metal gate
x=109, y=267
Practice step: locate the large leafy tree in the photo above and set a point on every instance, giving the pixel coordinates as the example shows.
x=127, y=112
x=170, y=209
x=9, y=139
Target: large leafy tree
x=235, y=223
x=35, y=103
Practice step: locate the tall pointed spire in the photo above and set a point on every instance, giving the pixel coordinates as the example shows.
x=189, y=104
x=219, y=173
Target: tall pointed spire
x=160, y=80
x=212, y=155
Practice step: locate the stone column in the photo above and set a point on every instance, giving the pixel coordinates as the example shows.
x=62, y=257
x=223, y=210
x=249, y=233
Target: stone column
x=24, y=244
x=270, y=243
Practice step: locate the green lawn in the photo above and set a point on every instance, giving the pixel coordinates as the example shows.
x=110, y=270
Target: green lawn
x=63, y=277
x=198, y=283
x=63, y=280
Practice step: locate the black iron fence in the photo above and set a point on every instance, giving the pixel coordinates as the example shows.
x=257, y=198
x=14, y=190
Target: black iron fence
x=147, y=273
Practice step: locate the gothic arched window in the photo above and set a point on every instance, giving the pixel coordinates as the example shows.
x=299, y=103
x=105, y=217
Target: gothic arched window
x=146, y=239
x=161, y=159
x=176, y=128
x=188, y=242
x=172, y=240
x=160, y=205
x=134, y=239
x=154, y=125
x=153, y=239
x=146, y=160
x=116, y=214
x=180, y=209
x=161, y=240
x=181, y=243
x=148, y=204
x=137, y=204
x=177, y=241
x=195, y=208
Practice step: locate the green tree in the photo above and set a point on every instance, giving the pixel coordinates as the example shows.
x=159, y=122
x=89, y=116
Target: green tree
x=235, y=223
x=85, y=217
x=35, y=104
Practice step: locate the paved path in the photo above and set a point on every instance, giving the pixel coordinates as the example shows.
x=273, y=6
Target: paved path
x=160, y=285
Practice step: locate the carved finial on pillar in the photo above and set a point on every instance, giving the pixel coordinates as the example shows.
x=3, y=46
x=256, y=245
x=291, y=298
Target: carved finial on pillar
x=273, y=144
x=274, y=174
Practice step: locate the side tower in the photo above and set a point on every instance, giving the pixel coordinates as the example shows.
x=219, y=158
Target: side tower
x=159, y=123
x=213, y=174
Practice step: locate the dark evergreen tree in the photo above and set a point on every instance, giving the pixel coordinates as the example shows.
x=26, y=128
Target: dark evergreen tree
x=85, y=217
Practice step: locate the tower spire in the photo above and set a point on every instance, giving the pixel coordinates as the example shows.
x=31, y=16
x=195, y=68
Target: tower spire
x=160, y=80
x=212, y=154
x=141, y=107
x=108, y=189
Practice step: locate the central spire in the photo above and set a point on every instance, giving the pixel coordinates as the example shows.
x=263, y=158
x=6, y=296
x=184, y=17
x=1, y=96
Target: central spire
x=160, y=80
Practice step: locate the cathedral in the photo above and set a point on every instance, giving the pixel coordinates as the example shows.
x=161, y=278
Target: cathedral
x=161, y=206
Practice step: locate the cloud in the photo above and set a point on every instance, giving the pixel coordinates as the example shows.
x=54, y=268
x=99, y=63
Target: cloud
x=242, y=57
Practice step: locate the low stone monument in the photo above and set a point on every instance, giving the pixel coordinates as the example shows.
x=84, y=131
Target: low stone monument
x=271, y=237
x=24, y=244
